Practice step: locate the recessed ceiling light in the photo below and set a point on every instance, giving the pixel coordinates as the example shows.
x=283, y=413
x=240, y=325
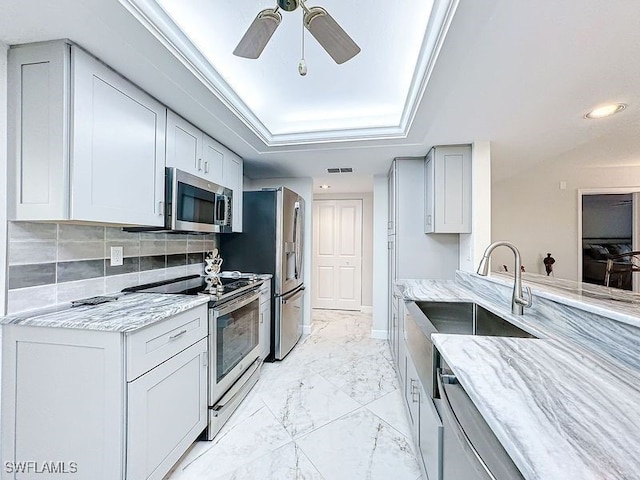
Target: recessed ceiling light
x=325, y=187
x=606, y=110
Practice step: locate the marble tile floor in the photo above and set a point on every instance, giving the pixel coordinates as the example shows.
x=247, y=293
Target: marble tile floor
x=331, y=410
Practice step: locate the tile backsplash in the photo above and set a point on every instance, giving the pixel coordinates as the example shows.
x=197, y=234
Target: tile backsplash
x=51, y=263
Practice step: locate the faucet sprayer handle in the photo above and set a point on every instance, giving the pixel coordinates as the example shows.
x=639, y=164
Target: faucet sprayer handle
x=525, y=300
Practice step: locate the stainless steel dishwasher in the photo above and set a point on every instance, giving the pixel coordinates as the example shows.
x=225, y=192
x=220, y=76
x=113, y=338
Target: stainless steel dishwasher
x=471, y=451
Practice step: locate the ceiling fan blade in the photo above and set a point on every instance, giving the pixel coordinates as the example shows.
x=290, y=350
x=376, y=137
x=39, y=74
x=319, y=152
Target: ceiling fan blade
x=258, y=34
x=330, y=35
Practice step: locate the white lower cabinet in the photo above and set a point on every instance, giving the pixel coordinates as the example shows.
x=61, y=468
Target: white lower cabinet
x=66, y=398
x=167, y=410
x=425, y=423
x=426, y=426
x=429, y=435
x=63, y=399
x=412, y=392
x=265, y=319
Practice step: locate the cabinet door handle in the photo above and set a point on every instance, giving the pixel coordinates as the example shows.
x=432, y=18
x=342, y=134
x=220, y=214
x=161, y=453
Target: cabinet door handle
x=160, y=208
x=414, y=391
x=205, y=359
x=262, y=318
x=199, y=164
x=428, y=219
x=206, y=166
x=179, y=334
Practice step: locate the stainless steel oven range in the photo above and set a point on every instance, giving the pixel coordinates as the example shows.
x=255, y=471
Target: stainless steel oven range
x=234, y=343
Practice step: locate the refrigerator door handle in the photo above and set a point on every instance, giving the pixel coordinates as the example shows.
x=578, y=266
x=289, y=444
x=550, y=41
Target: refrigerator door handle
x=293, y=295
x=295, y=240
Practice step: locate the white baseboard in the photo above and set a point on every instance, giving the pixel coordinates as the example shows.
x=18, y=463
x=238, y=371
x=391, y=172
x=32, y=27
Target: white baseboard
x=379, y=334
x=366, y=309
x=307, y=329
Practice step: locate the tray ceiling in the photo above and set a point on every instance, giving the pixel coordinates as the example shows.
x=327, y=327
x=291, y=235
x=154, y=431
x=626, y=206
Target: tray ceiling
x=373, y=95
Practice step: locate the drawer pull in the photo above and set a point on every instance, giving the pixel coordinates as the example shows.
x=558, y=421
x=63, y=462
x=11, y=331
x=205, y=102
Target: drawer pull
x=179, y=334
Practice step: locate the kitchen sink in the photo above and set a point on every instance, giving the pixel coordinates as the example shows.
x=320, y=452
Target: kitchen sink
x=462, y=318
x=468, y=319
x=492, y=325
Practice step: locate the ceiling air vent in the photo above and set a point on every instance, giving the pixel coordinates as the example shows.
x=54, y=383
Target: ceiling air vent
x=340, y=170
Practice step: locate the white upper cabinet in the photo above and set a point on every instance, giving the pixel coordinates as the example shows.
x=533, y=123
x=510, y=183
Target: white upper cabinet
x=448, y=190
x=85, y=144
x=233, y=174
x=191, y=150
x=213, y=160
x=184, y=144
x=118, y=147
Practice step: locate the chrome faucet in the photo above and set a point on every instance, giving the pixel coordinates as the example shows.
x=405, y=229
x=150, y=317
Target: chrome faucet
x=518, y=300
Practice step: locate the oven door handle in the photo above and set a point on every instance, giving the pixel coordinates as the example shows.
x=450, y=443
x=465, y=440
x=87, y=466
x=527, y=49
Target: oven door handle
x=236, y=389
x=236, y=304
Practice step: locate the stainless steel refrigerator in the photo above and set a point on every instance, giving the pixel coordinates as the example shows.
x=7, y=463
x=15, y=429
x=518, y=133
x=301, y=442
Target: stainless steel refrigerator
x=272, y=242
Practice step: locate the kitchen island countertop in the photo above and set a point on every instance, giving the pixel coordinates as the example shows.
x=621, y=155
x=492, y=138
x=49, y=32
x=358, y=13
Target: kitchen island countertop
x=563, y=407
x=558, y=412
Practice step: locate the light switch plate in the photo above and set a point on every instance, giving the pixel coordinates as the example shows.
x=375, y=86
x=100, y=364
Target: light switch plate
x=117, y=255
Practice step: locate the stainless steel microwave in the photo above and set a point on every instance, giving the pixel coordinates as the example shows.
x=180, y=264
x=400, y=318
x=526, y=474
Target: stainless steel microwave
x=195, y=204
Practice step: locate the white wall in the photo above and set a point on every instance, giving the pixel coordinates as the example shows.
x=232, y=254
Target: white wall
x=304, y=187
x=3, y=176
x=534, y=213
x=367, y=238
x=472, y=245
x=380, y=254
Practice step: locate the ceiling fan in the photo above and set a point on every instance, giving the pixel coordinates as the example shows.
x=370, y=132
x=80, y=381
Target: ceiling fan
x=317, y=20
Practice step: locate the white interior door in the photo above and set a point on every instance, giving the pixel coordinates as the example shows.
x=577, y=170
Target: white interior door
x=337, y=272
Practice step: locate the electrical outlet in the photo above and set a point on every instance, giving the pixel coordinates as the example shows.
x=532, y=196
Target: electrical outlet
x=117, y=255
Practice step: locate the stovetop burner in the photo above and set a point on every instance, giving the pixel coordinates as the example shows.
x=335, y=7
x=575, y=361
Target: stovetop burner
x=197, y=285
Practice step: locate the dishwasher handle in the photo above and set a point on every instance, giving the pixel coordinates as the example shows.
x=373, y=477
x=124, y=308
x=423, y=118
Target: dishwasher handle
x=443, y=381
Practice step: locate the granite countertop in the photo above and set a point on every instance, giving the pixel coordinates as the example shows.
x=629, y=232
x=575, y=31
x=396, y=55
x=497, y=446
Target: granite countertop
x=128, y=313
x=560, y=414
x=433, y=291
x=563, y=407
x=621, y=305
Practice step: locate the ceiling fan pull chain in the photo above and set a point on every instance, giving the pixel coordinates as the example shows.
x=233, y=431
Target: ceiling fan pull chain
x=302, y=66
